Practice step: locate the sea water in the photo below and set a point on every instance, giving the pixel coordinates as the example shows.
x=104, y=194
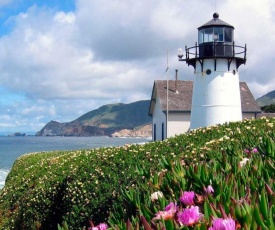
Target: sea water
x=13, y=147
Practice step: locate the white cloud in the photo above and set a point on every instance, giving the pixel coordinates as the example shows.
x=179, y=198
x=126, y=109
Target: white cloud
x=67, y=63
x=48, y=63
x=65, y=18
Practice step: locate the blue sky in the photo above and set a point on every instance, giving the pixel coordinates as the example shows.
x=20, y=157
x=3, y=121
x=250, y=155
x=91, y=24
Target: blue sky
x=62, y=58
x=15, y=7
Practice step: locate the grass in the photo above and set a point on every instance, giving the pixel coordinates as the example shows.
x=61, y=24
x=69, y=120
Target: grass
x=46, y=189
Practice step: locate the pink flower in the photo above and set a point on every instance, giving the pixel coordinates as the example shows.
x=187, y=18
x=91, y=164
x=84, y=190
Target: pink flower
x=187, y=198
x=223, y=224
x=255, y=150
x=246, y=151
x=101, y=226
x=165, y=215
x=209, y=190
x=190, y=216
x=168, y=212
x=171, y=207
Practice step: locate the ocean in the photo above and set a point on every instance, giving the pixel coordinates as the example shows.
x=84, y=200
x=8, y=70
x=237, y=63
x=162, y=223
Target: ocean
x=13, y=147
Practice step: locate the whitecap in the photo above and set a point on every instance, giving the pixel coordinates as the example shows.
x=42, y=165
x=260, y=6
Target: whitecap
x=3, y=175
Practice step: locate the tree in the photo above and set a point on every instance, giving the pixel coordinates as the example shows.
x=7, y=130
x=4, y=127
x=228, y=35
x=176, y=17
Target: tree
x=268, y=108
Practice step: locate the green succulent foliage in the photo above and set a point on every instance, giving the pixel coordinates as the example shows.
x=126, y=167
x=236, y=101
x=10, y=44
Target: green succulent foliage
x=114, y=184
x=243, y=191
x=63, y=227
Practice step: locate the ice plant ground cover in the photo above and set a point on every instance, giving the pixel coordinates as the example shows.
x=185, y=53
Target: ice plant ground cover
x=115, y=185
x=226, y=195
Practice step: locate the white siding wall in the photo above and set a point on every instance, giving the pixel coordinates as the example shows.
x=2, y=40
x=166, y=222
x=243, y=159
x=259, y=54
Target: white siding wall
x=179, y=123
x=159, y=118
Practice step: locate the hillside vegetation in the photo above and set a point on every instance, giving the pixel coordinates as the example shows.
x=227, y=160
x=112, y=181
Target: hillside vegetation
x=103, y=121
x=116, y=185
x=118, y=115
x=266, y=99
x=268, y=108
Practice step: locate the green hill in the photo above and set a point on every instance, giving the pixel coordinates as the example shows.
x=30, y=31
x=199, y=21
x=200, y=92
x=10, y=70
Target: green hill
x=266, y=99
x=119, y=115
x=103, y=121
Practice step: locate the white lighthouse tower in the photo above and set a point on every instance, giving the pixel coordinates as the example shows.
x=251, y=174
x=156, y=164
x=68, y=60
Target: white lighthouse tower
x=216, y=59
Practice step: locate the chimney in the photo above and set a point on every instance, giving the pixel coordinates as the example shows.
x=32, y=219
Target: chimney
x=176, y=83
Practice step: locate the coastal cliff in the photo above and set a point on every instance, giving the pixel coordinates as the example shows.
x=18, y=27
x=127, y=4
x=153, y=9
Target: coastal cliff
x=145, y=131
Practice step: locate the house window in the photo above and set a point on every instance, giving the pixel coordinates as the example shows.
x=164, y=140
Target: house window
x=155, y=131
x=162, y=131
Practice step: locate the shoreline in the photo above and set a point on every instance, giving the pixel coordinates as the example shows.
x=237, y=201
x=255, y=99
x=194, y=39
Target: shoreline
x=3, y=175
x=13, y=147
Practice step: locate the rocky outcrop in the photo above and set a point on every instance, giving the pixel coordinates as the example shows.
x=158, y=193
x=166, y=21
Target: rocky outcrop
x=54, y=128
x=18, y=134
x=145, y=132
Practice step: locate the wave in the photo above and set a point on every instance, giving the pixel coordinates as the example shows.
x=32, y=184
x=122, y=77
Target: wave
x=3, y=175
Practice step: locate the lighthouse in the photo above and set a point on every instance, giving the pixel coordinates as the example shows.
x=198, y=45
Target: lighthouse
x=216, y=60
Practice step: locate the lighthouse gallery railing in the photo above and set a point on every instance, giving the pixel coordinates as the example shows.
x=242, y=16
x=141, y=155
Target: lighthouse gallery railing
x=215, y=50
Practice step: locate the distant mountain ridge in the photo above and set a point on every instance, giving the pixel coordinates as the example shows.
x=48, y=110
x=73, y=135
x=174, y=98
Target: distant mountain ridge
x=266, y=99
x=104, y=121
x=116, y=120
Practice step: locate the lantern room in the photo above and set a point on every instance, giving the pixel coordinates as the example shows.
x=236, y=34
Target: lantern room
x=216, y=30
x=215, y=41
x=215, y=38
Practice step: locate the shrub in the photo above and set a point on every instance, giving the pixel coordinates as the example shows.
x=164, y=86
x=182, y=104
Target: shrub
x=44, y=190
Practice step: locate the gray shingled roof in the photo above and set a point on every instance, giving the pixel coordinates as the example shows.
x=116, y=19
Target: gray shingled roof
x=249, y=103
x=181, y=101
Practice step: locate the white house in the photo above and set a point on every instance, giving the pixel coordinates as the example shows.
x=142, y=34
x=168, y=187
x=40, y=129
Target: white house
x=179, y=107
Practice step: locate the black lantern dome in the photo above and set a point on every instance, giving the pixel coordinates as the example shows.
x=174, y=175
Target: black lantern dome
x=215, y=22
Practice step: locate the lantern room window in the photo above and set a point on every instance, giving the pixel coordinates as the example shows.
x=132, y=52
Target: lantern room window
x=217, y=34
x=228, y=35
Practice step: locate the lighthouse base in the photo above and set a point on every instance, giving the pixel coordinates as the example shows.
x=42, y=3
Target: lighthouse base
x=216, y=96
x=204, y=116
